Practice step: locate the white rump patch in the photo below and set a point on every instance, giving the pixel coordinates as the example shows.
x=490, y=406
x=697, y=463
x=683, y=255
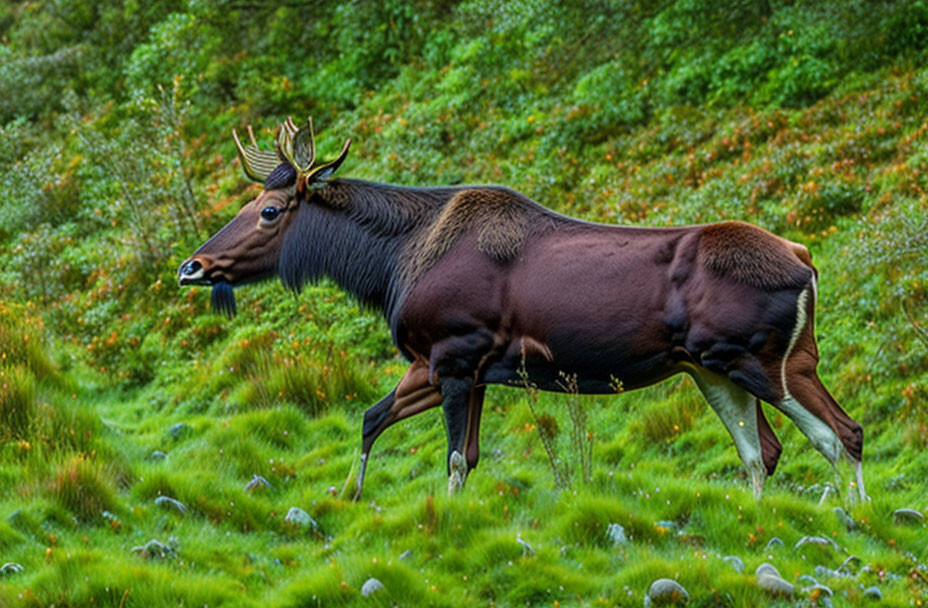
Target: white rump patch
x=801, y=318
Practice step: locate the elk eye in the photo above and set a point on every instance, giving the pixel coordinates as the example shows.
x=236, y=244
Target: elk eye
x=270, y=213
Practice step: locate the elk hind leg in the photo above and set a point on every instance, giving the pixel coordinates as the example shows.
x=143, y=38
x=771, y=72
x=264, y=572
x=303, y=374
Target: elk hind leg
x=742, y=416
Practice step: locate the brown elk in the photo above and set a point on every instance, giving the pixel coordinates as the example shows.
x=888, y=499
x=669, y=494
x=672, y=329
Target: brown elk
x=480, y=285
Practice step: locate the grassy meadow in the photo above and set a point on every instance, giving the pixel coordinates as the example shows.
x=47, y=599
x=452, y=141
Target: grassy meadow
x=151, y=451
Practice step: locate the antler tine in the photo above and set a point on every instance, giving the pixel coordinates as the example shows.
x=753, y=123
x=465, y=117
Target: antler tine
x=256, y=163
x=304, y=148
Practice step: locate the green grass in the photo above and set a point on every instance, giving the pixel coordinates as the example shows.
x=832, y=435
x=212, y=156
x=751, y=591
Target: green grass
x=807, y=119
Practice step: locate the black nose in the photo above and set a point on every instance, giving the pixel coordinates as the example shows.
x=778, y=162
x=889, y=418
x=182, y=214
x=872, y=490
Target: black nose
x=191, y=267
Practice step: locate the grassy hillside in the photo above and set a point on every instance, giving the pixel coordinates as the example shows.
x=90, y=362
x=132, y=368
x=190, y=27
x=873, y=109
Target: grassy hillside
x=119, y=391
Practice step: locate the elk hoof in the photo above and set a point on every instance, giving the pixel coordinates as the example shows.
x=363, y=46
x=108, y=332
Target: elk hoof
x=458, y=467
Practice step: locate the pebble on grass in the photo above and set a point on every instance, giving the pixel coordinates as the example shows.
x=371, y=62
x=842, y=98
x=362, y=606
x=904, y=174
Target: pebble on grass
x=816, y=540
x=775, y=584
x=171, y=503
x=735, y=562
x=157, y=455
x=257, y=482
x=666, y=592
x=908, y=516
x=616, y=534
x=153, y=549
x=11, y=568
x=300, y=517
x=371, y=586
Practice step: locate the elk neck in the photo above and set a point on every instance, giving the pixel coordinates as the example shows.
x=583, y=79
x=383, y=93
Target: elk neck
x=355, y=232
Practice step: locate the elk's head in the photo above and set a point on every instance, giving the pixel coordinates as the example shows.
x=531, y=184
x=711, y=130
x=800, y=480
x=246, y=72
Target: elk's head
x=247, y=249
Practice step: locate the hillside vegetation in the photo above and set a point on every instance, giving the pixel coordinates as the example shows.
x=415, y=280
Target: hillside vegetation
x=129, y=412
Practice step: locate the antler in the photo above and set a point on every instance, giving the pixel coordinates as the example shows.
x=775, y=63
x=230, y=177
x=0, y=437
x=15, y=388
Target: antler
x=294, y=145
x=297, y=146
x=257, y=163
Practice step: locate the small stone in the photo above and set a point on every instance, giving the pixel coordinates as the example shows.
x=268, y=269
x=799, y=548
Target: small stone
x=773, y=542
x=157, y=456
x=766, y=569
x=873, y=593
x=332, y=491
x=823, y=572
x=908, y=516
x=667, y=592
x=11, y=568
x=815, y=540
x=371, y=586
x=616, y=534
x=845, y=519
x=775, y=585
x=257, y=482
x=300, y=517
x=179, y=430
x=735, y=562
x=171, y=503
x=153, y=549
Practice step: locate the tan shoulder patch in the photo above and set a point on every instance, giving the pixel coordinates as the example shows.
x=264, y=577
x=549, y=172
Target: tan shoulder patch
x=751, y=255
x=499, y=218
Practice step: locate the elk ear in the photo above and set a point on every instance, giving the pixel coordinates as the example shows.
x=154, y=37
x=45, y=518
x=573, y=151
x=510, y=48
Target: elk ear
x=325, y=171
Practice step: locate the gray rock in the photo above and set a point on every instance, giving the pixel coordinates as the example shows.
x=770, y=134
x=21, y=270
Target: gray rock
x=766, y=569
x=370, y=587
x=153, y=549
x=819, y=541
x=735, y=562
x=775, y=585
x=11, y=568
x=300, y=517
x=873, y=593
x=667, y=592
x=823, y=572
x=171, y=503
x=157, y=456
x=616, y=534
x=845, y=519
x=773, y=542
x=257, y=483
x=908, y=516
x=179, y=430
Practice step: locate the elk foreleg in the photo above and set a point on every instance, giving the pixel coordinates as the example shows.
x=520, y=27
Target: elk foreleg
x=741, y=414
x=412, y=395
x=455, y=365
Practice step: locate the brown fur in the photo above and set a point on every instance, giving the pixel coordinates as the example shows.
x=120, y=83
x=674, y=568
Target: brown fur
x=752, y=256
x=499, y=218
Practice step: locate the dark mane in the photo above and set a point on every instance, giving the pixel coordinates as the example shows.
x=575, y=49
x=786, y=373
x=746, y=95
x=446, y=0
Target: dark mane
x=354, y=232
